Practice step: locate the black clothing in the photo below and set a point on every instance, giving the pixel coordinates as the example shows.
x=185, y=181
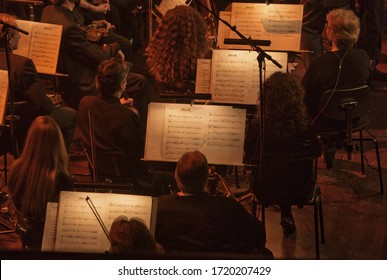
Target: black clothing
x=79, y=57
x=26, y=86
x=323, y=74
x=203, y=223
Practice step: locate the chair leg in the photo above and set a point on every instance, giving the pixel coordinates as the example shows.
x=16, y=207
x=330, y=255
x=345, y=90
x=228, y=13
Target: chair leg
x=322, y=231
x=316, y=233
x=253, y=206
x=263, y=214
x=361, y=151
x=379, y=168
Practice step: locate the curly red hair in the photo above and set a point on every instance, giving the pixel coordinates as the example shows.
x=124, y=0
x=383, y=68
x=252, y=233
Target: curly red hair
x=178, y=42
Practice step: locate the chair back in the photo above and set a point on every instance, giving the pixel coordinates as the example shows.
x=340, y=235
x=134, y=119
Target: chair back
x=110, y=166
x=30, y=231
x=331, y=105
x=285, y=180
x=106, y=165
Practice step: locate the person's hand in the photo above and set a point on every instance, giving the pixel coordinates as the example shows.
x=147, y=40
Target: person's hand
x=126, y=101
x=103, y=8
x=104, y=23
x=120, y=55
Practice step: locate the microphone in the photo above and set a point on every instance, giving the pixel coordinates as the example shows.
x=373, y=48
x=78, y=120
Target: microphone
x=7, y=25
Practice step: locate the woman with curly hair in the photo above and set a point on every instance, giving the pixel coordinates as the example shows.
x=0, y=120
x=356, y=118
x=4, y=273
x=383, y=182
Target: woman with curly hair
x=38, y=175
x=180, y=39
x=286, y=130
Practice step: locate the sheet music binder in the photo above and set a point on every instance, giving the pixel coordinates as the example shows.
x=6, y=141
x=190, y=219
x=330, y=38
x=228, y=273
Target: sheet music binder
x=71, y=226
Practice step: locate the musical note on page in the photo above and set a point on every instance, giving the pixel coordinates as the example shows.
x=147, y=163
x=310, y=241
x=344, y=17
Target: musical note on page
x=217, y=131
x=41, y=45
x=235, y=75
x=279, y=23
x=77, y=228
x=203, y=76
x=167, y=5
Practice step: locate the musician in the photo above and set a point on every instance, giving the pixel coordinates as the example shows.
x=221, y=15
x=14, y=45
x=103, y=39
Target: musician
x=79, y=58
x=26, y=86
x=342, y=67
x=180, y=39
x=38, y=176
x=117, y=126
x=193, y=221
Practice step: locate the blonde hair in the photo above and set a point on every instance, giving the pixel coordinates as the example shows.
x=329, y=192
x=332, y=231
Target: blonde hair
x=178, y=42
x=345, y=27
x=33, y=173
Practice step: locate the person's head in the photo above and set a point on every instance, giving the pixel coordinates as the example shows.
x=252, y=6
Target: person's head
x=43, y=156
x=128, y=236
x=180, y=39
x=343, y=28
x=285, y=111
x=14, y=36
x=191, y=172
x=111, y=76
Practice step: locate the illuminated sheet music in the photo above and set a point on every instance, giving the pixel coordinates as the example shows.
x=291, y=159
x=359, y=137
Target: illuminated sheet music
x=41, y=44
x=167, y=5
x=279, y=23
x=203, y=76
x=235, y=75
x=216, y=131
x=3, y=94
x=78, y=230
x=49, y=233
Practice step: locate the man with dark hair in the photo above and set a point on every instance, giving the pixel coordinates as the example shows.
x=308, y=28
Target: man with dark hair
x=116, y=124
x=193, y=221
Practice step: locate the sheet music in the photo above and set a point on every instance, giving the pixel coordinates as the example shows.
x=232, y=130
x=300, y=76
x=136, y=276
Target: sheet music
x=224, y=32
x=203, y=76
x=78, y=229
x=279, y=23
x=167, y=5
x=3, y=94
x=235, y=75
x=41, y=45
x=217, y=131
x=49, y=232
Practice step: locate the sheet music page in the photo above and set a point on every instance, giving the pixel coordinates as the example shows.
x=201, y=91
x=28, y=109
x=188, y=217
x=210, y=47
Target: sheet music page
x=279, y=23
x=78, y=230
x=217, y=131
x=203, y=76
x=224, y=32
x=3, y=94
x=167, y=5
x=49, y=232
x=25, y=40
x=235, y=75
x=43, y=44
x=183, y=131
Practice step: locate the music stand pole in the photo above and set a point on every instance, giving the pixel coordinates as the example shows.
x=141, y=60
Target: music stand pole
x=6, y=37
x=261, y=57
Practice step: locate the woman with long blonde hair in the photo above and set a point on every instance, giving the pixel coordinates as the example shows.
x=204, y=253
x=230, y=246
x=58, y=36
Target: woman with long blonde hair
x=41, y=171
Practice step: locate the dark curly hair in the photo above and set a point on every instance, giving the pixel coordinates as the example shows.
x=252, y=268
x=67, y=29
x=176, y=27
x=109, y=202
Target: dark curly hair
x=178, y=42
x=285, y=111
